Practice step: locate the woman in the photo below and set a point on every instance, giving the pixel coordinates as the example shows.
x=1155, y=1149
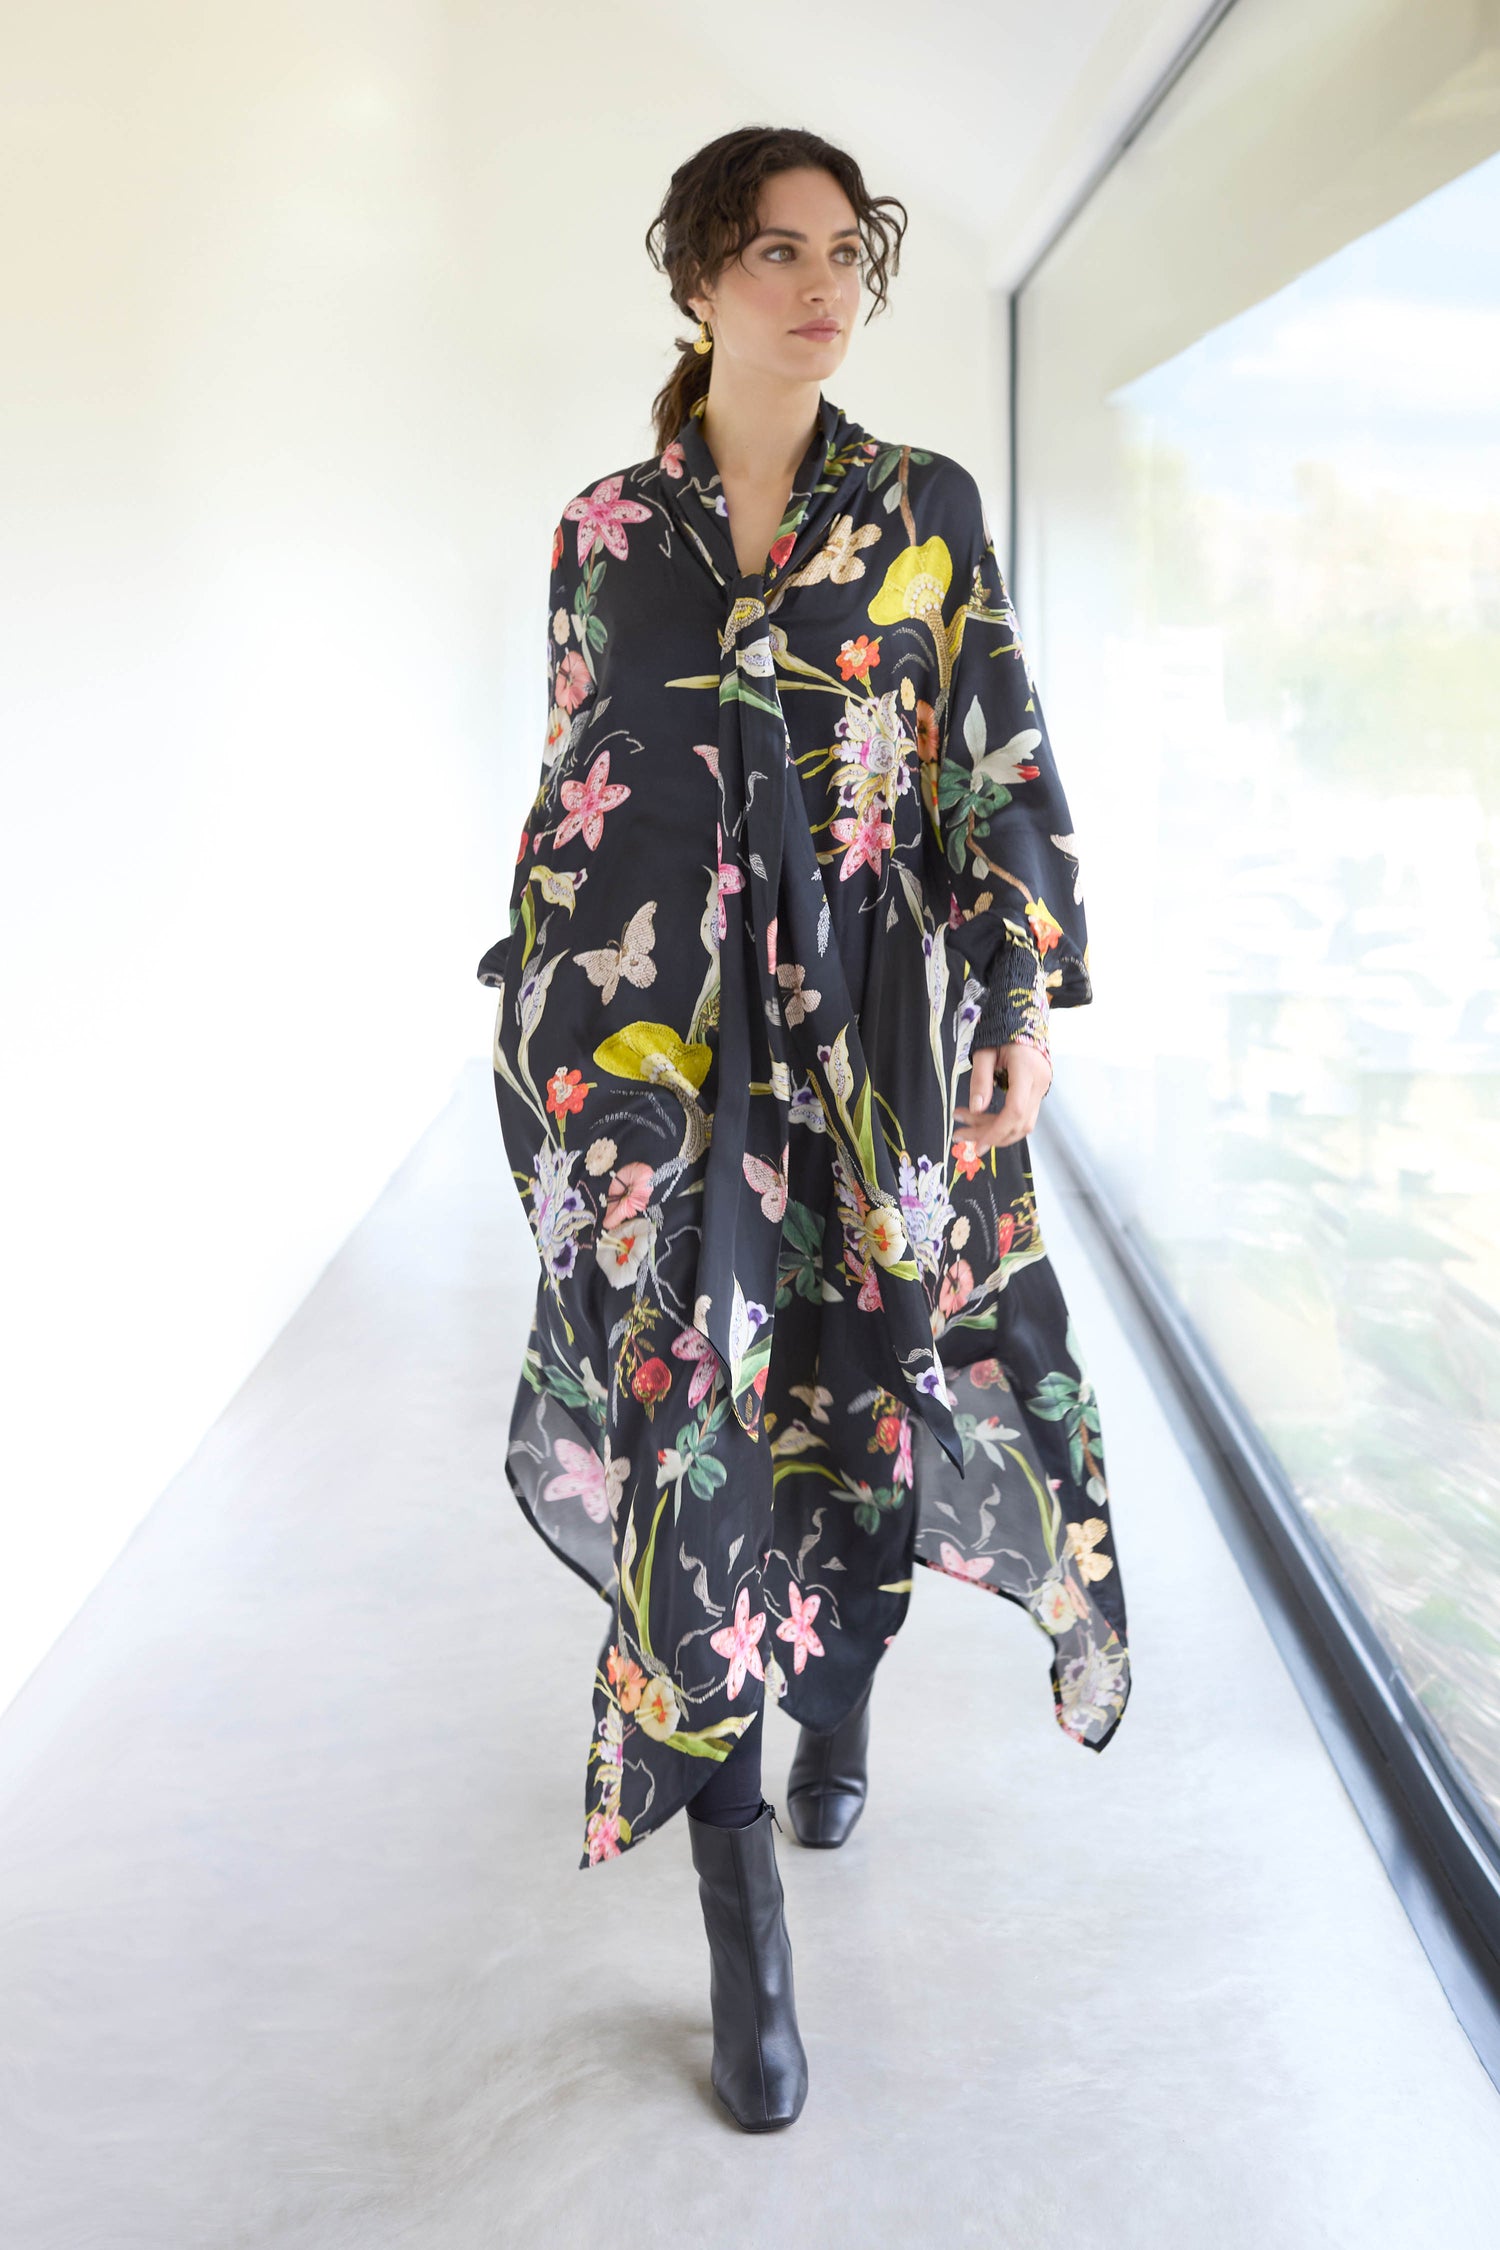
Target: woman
x=799, y=856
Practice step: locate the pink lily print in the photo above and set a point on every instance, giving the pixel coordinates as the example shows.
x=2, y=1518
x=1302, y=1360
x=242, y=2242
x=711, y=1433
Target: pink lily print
x=691, y=1345
x=867, y=836
x=583, y=1478
x=798, y=1628
x=601, y=517
x=737, y=1642
x=731, y=878
x=588, y=801
x=964, y=1566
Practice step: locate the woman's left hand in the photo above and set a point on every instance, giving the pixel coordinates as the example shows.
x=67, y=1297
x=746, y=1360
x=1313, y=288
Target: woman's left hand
x=1028, y=1074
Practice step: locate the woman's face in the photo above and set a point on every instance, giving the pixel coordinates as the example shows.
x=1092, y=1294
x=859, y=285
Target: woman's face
x=785, y=307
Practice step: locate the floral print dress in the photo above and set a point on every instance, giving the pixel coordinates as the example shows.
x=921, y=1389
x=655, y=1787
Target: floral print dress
x=794, y=830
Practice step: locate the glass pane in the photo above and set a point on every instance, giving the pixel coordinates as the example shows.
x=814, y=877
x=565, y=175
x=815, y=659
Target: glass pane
x=1269, y=647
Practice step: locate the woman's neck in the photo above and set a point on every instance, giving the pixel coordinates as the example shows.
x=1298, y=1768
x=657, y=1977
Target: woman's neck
x=758, y=430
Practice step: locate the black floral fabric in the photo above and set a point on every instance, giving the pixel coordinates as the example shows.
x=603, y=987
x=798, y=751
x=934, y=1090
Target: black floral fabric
x=794, y=829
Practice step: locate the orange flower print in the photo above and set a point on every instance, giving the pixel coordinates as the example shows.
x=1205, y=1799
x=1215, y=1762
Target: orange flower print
x=967, y=1158
x=566, y=1092
x=927, y=733
x=557, y=546
x=625, y=1677
x=1005, y=1233
x=1045, y=927
x=781, y=548
x=858, y=659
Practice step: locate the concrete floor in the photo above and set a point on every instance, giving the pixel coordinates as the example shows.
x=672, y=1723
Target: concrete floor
x=294, y=1949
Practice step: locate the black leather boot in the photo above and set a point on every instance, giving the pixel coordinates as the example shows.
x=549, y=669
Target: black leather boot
x=827, y=1782
x=759, y=2067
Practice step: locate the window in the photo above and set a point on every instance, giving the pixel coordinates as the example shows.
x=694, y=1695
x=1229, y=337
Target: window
x=1258, y=565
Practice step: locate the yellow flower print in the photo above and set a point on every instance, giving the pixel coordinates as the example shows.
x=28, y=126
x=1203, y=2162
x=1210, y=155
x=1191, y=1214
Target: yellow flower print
x=1083, y=1538
x=654, y=1053
x=916, y=583
x=1045, y=927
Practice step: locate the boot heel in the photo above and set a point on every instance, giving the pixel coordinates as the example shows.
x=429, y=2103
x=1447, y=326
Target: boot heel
x=828, y=1780
x=760, y=2065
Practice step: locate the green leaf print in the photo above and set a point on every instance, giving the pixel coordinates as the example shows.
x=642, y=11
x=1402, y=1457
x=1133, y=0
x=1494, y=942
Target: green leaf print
x=1058, y=1398
x=801, y=1254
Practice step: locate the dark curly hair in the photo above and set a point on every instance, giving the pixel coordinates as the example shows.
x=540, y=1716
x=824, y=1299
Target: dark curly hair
x=709, y=214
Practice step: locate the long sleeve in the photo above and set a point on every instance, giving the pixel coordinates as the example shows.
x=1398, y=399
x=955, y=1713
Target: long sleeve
x=570, y=684
x=1001, y=810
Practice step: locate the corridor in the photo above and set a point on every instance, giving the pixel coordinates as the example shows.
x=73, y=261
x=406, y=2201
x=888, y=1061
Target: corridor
x=296, y=1954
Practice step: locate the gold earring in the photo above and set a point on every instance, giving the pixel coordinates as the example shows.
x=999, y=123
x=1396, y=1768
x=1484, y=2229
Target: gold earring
x=703, y=342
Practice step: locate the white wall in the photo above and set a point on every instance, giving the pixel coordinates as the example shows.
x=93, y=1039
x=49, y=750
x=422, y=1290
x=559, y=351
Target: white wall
x=243, y=862
x=314, y=314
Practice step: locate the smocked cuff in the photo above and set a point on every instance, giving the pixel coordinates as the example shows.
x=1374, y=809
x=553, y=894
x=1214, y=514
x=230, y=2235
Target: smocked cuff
x=1014, y=1006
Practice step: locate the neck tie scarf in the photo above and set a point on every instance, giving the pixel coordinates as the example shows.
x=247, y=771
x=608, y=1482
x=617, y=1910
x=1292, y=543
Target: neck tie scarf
x=777, y=905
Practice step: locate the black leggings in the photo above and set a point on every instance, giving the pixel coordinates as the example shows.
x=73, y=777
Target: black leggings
x=730, y=1798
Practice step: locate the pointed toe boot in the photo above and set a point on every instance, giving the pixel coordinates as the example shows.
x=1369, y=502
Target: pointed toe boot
x=828, y=1779
x=760, y=2066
